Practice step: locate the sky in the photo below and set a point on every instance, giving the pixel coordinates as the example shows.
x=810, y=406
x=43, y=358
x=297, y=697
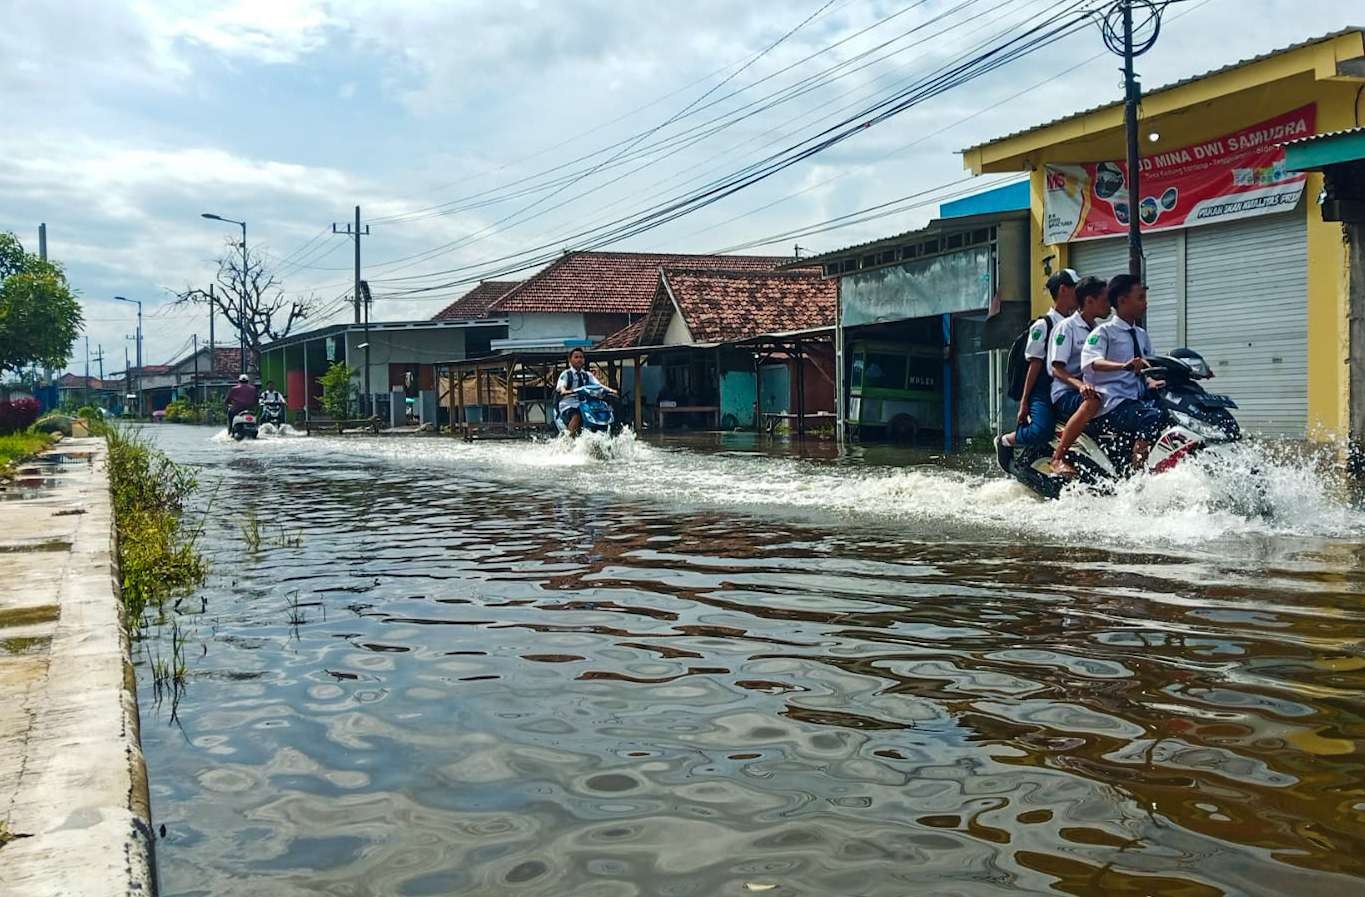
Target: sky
x=470, y=132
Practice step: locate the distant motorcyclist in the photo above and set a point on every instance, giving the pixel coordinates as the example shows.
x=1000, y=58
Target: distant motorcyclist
x=242, y=397
x=271, y=396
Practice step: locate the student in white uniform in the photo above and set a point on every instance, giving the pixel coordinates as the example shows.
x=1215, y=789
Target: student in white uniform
x=1113, y=360
x=1035, y=420
x=1073, y=400
x=575, y=377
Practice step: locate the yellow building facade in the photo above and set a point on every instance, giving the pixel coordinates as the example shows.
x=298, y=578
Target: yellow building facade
x=1327, y=73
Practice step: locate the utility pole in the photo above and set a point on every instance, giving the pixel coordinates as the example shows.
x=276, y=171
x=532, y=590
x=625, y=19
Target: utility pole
x=138, y=303
x=1132, y=95
x=1118, y=31
x=127, y=379
x=356, y=233
x=241, y=299
x=87, y=372
x=99, y=356
x=364, y=289
x=195, y=338
x=42, y=254
x=211, y=315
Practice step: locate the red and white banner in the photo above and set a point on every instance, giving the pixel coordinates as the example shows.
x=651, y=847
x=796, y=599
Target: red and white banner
x=1240, y=175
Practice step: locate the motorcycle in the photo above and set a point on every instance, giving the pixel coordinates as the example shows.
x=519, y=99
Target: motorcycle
x=595, y=410
x=1195, y=420
x=272, y=414
x=243, y=425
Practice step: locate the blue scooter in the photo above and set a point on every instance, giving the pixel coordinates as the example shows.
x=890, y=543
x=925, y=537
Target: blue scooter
x=594, y=408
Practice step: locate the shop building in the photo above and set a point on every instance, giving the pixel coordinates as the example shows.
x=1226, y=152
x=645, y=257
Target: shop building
x=1239, y=262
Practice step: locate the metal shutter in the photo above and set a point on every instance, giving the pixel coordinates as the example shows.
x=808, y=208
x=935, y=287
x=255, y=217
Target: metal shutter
x=1105, y=258
x=1247, y=284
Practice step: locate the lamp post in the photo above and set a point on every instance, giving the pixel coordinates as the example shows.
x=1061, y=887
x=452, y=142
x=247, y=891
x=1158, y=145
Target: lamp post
x=138, y=303
x=241, y=297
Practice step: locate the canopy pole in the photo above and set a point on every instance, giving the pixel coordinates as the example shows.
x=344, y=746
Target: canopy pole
x=639, y=393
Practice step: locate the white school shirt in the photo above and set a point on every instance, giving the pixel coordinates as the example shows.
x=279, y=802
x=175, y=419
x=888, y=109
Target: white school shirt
x=571, y=379
x=1067, y=339
x=1036, y=346
x=1116, y=340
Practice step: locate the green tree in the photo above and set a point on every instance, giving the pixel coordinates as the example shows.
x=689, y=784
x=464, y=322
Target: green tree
x=338, y=389
x=39, y=316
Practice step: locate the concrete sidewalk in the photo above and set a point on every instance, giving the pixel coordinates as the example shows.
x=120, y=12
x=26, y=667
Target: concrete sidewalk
x=73, y=786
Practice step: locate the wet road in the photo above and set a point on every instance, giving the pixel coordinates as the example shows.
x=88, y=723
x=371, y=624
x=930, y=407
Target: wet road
x=654, y=670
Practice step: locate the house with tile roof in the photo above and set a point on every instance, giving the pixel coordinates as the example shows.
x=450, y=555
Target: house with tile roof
x=705, y=328
x=583, y=297
x=476, y=303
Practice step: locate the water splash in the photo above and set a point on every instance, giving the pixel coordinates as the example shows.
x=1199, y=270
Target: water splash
x=1248, y=489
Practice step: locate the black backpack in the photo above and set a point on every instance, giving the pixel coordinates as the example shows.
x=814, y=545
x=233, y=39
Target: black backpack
x=1016, y=369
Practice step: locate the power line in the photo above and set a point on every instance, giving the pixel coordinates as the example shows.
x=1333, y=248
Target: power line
x=959, y=71
x=669, y=205
x=742, y=113
x=612, y=146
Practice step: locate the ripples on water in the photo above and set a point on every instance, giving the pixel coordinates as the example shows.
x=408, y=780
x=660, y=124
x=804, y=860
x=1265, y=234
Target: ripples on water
x=620, y=670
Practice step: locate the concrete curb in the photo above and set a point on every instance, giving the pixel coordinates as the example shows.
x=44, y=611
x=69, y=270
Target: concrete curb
x=76, y=793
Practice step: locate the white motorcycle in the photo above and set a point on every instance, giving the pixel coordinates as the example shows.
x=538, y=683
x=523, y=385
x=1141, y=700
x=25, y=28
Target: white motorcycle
x=243, y=426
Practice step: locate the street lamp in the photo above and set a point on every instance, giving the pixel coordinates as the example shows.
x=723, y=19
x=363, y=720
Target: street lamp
x=241, y=297
x=138, y=303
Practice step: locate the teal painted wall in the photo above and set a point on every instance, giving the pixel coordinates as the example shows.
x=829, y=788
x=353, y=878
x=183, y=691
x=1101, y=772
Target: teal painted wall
x=736, y=399
x=777, y=388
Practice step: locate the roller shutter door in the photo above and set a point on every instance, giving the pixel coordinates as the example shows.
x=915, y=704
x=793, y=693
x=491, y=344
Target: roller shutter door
x=1247, y=284
x=1105, y=258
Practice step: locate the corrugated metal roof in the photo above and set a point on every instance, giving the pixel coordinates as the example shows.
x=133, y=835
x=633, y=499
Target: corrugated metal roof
x=937, y=226
x=1313, y=138
x=1172, y=86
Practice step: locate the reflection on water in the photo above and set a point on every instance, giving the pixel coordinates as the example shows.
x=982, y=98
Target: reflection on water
x=513, y=669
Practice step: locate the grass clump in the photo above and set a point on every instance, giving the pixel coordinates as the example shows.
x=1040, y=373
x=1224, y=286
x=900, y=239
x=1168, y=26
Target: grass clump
x=157, y=555
x=18, y=446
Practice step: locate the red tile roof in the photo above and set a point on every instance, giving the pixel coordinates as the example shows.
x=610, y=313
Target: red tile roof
x=476, y=302
x=720, y=306
x=628, y=335
x=76, y=381
x=613, y=282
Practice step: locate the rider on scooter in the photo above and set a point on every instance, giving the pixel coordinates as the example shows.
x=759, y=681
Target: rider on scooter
x=242, y=397
x=1114, y=359
x=271, y=396
x=574, y=378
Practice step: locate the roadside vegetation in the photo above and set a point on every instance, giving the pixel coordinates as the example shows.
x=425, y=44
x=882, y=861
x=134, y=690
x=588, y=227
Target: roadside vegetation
x=184, y=411
x=17, y=438
x=157, y=552
x=338, y=390
x=18, y=446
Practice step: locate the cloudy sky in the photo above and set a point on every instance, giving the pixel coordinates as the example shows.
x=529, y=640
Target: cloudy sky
x=470, y=132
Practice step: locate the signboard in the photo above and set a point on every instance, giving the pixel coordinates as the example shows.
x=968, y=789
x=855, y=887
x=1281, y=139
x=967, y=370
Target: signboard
x=1239, y=175
x=958, y=281
x=331, y=348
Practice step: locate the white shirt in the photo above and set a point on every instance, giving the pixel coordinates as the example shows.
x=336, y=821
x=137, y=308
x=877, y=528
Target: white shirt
x=1036, y=345
x=1067, y=339
x=272, y=397
x=1116, y=340
x=574, y=379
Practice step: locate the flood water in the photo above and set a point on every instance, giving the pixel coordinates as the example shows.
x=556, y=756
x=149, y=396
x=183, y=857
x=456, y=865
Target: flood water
x=713, y=669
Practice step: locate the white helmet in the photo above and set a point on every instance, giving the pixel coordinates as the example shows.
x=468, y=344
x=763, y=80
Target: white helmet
x=243, y=378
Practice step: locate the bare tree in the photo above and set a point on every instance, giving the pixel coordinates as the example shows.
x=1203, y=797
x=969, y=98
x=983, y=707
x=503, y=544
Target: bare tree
x=249, y=296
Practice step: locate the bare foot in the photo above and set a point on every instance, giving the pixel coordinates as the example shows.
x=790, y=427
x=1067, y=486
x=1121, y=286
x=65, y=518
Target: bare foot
x=1063, y=468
